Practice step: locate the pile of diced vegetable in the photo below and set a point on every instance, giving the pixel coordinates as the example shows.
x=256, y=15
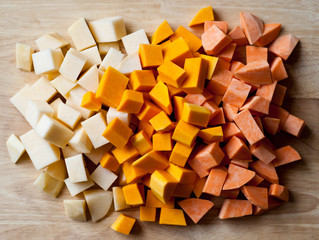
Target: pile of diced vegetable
x=168, y=124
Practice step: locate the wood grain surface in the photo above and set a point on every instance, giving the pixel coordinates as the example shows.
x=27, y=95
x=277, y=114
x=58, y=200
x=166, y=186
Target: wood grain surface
x=26, y=213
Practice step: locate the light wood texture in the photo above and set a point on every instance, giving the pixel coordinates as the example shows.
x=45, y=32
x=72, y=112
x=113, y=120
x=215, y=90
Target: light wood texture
x=26, y=213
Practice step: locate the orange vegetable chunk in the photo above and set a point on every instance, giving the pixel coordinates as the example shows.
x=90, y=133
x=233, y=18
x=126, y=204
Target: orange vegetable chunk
x=283, y=46
x=233, y=208
x=220, y=24
x=256, y=195
x=163, y=32
x=294, y=125
x=286, y=155
x=220, y=81
x=215, y=181
x=236, y=93
x=237, y=149
x=257, y=72
x=237, y=177
x=205, y=14
x=256, y=54
x=278, y=70
x=252, y=25
x=195, y=208
x=270, y=33
x=279, y=191
x=238, y=36
x=267, y=171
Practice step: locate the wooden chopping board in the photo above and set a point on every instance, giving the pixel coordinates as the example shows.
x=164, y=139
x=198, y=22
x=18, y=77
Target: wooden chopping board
x=26, y=213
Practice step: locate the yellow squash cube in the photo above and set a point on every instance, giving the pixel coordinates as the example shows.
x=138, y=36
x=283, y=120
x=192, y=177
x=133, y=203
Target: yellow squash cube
x=195, y=114
x=123, y=224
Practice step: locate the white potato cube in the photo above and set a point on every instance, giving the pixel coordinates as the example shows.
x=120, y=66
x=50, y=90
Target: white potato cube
x=53, y=131
x=21, y=99
x=55, y=105
x=94, y=127
x=130, y=63
x=68, y=115
x=105, y=47
x=80, y=141
x=24, y=57
x=41, y=152
x=69, y=152
x=57, y=170
x=99, y=203
x=81, y=35
x=15, y=148
x=63, y=85
x=112, y=113
x=51, y=41
x=96, y=153
x=93, y=57
x=76, y=168
x=103, y=177
x=48, y=184
x=132, y=41
x=90, y=79
x=47, y=61
x=43, y=89
x=75, y=209
x=35, y=110
x=76, y=188
x=108, y=29
x=75, y=99
x=118, y=199
x=72, y=64
x=113, y=58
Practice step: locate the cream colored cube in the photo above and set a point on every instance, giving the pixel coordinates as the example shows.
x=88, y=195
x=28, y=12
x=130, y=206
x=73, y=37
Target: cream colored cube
x=113, y=58
x=108, y=29
x=112, y=113
x=63, y=85
x=93, y=57
x=51, y=41
x=103, y=177
x=15, y=148
x=72, y=64
x=76, y=188
x=24, y=57
x=75, y=209
x=68, y=151
x=81, y=35
x=53, y=131
x=96, y=153
x=94, y=127
x=35, y=110
x=105, y=47
x=51, y=76
x=118, y=199
x=47, y=61
x=132, y=41
x=67, y=115
x=55, y=105
x=41, y=152
x=43, y=89
x=90, y=79
x=130, y=63
x=21, y=99
x=57, y=170
x=75, y=99
x=99, y=203
x=80, y=141
x=48, y=184
x=76, y=168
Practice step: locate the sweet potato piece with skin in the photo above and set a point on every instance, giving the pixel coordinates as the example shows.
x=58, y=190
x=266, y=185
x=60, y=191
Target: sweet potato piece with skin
x=270, y=33
x=223, y=26
x=195, y=208
x=267, y=171
x=293, y=125
x=237, y=177
x=278, y=70
x=283, y=46
x=215, y=181
x=253, y=26
x=271, y=125
x=286, y=155
x=279, y=191
x=233, y=208
x=238, y=36
x=214, y=40
x=256, y=195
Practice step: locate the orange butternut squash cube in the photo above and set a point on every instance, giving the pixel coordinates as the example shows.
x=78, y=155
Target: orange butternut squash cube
x=141, y=142
x=183, y=190
x=212, y=62
x=147, y=128
x=109, y=91
x=147, y=214
x=182, y=175
x=162, y=142
x=172, y=217
x=171, y=73
x=205, y=14
x=132, y=194
x=163, y=32
x=162, y=185
x=152, y=161
x=160, y=95
x=195, y=114
x=109, y=162
x=193, y=42
x=196, y=70
x=178, y=107
x=123, y=224
x=89, y=101
x=213, y=134
x=118, y=133
x=132, y=173
x=142, y=80
x=162, y=123
x=126, y=153
x=177, y=51
x=148, y=111
x=131, y=102
x=180, y=154
x=152, y=201
x=150, y=55
x=185, y=133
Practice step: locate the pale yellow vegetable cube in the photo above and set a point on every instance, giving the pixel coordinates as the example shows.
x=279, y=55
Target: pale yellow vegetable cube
x=96, y=153
x=74, y=100
x=93, y=57
x=76, y=168
x=47, y=61
x=76, y=188
x=90, y=79
x=24, y=57
x=15, y=148
x=118, y=199
x=55, y=105
x=51, y=41
x=48, y=184
x=57, y=170
x=113, y=58
x=132, y=41
x=63, y=85
x=80, y=141
x=75, y=209
x=35, y=110
x=103, y=177
x=43, y=89
x=69, y=151
x=130, y=63
x=105, y=47
x=67, y=115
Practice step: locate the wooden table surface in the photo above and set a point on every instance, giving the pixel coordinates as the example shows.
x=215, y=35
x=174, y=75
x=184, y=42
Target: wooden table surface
x=26, y=213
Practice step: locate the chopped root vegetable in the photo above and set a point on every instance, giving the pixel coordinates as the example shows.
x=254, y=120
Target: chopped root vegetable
x=195, y=208
x=233, y=208
x=237, y=177
x=256, y=195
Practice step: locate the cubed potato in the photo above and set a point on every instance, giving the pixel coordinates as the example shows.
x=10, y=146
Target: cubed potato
x=93, y=57
x=113, y=58
x=130, y=63
x=24, y=57
x=35, y=110
x=51, y=41
x=113, y=113
x=90, y=79
x=15, y=148
x=57, y=170
x=63, y=85
x=96, y=153
x=47, y=61
x=105, y=47
x=76, y=168
x=69, y=152
x=69, y=116
x=103, y=177
x=119, y=200
x=80, y=141
x=43, y=89
x=132, y=41
x=76, y=188
x=75, y=209
x=75, y=99
x=48, y=184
